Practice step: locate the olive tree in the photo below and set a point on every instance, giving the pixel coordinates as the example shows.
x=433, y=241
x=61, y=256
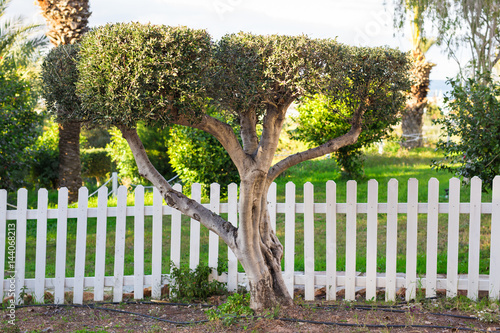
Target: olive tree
x=174, y=75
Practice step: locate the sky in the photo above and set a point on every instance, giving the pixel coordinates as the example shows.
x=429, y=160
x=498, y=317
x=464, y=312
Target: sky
x=354, y=22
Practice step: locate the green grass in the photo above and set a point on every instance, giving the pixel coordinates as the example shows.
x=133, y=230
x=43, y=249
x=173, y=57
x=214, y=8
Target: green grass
x=401, y=165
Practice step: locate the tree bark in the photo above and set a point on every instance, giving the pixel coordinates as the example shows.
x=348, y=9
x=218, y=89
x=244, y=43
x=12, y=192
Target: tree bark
x=412, y=120
x=69, y=158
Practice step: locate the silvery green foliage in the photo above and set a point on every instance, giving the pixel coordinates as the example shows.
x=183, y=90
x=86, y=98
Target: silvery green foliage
x=131, y=72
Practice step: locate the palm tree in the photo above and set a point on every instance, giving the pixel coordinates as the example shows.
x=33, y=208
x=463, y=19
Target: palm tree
x=67, y=21
x=413, y=114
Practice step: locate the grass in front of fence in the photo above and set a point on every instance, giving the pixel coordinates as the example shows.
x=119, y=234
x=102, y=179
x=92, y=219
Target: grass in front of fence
x=401, y=165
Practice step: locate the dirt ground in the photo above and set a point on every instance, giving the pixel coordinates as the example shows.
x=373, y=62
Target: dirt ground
x=319, y=316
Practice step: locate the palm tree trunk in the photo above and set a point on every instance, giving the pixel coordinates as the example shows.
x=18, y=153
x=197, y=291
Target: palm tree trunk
x=67, y=22
x=412, y=121
x=69, y=158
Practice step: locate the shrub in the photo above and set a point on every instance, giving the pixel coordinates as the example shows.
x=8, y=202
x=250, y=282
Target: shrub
x=45, y=163
x=321, y=119
x=474, y=119
x=19, y=126
x=197, y=157
x=96, y=163
x=189, y=285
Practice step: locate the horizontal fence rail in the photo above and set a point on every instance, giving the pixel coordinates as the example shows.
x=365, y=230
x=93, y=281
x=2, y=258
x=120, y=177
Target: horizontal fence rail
x=14, y=228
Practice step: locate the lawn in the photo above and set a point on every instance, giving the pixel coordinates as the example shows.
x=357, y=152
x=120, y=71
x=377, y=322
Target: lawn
x=393, y=163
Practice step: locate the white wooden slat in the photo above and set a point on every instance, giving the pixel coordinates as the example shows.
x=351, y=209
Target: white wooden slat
x=392, y=238
x=232, y=266
x=371, y=240
x=309, y=241
x=271, y=205
x=41, y=245
x=20, y=262
x=3, y=238
x=453, y=234
x=213, y=238
x=100, y=243
x=331, y=240
x=474, y=238
x=120, y=238
x=81, y=245
x=495, y=244
x=289, y=237
x=62, y=236
x=176, y=236
x=411, y=240
x=350, y=261
x=432, y=238
x=194, y=238
x=156, y=255
x=139, y=243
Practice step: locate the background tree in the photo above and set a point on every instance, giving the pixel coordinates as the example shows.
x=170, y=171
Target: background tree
x=412, y=120
x=67, y=21
x=321, y=119
x=470, y=23
x=475, y=119
x=157, y=74
x=19, y=122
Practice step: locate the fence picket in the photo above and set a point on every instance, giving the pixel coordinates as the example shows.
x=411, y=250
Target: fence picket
x=432, y=238
x=350, y=240
x=495, y=245
x=391, y=240
x=289, y=237
x=156, y=249
x=194, y=244
x=271, y=205
x=41, y=244
x=453, y=234
x=22, y=212
x=120, y=237
x=309, y=241
x=81, y=245
x=411, y=239
x=3, y=238
x=232, y=217
x=100, y=243
x=331, y=240
x=474, y=238
x=213, y=238
x=139, y=243
x=175, y=246
x=371, y=240
x=62, y=235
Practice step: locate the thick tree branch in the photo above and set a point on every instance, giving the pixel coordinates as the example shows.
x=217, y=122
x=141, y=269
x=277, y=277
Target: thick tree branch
x=272, y=125
x=248, y=121
x=175, y=199
x=326, y=148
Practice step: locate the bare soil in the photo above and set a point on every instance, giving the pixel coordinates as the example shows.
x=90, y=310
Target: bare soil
x=318, y=316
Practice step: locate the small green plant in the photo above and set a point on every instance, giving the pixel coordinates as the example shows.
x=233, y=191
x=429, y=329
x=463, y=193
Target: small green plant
x=236, y=305
x=189, y=285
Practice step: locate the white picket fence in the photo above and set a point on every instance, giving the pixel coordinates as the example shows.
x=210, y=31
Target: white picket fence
x=350, y=280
